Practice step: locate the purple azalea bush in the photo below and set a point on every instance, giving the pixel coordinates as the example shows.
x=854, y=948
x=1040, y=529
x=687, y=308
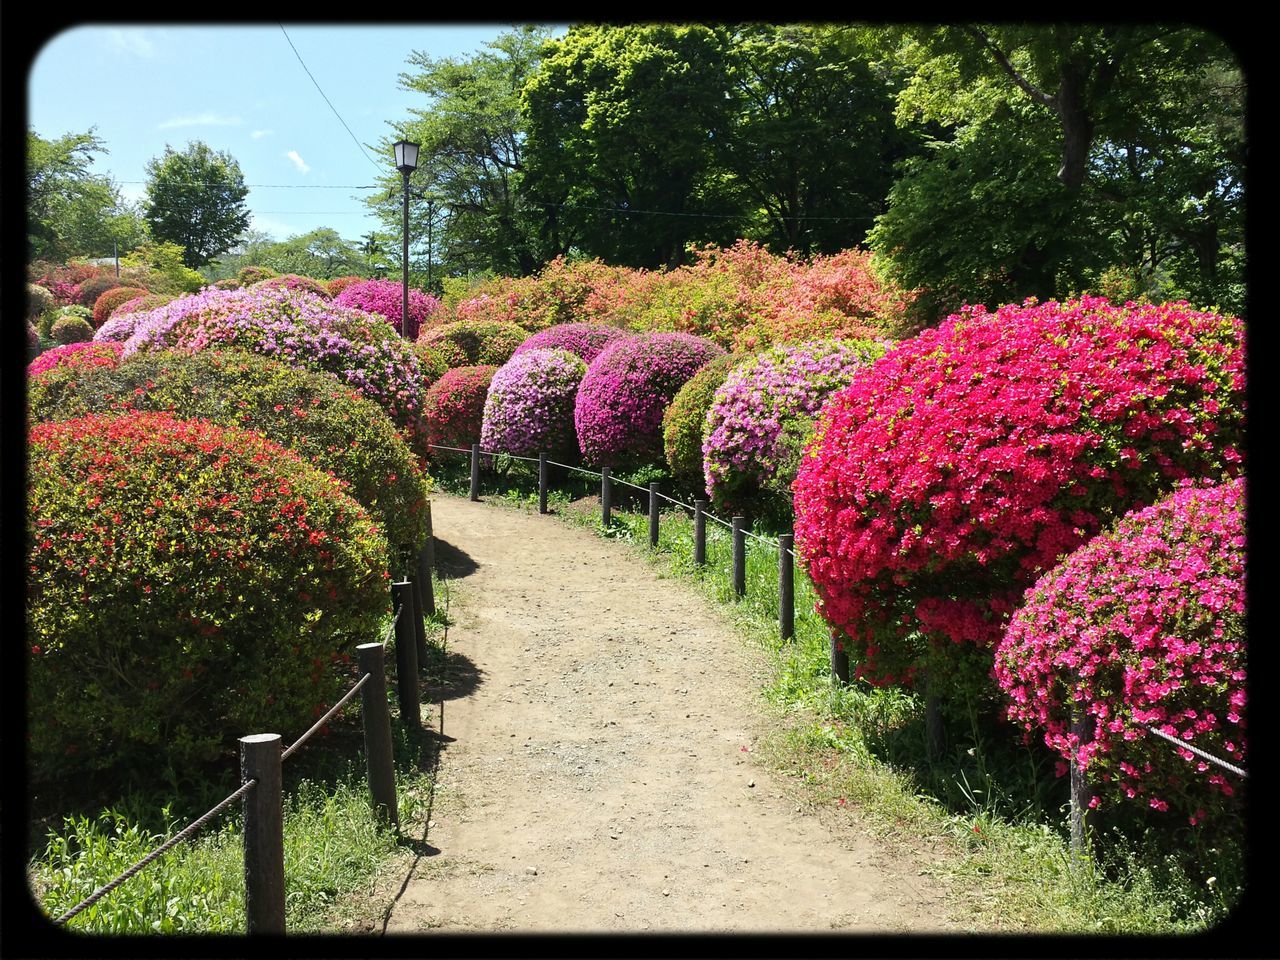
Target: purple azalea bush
x=386, y=297
x=585, y=340
x=301, y=329
x=530, y=405
x=760, y=416
x=626, y=390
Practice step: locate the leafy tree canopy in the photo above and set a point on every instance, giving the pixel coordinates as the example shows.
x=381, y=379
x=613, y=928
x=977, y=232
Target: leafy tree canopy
x=195, y=198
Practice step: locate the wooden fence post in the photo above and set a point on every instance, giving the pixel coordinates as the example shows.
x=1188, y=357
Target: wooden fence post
x=653, y=514
x=786, y=587
x=426, y=564
x=406, y=653
x=419, y=624
x=606, y=497
x=739, y=558
x=377, y=732
x=260, y=760
x=475, y=471
x=700, y=532
x=542, y=483
x=1079, y=795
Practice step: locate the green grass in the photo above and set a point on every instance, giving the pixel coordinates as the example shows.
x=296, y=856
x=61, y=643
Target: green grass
x=334, y=846
x=990, y=807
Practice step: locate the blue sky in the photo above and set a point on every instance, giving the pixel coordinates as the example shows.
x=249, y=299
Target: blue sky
x=242, y=89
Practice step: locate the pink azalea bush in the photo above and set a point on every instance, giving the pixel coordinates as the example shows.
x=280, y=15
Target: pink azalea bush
x=584, y=340
x=961, y=465
x=1143, y=625
x=453, y=409
x=627, y=389
x=530, y=405
x=386, y=298
x=758, y=419
x=77, y=356
x=359, y=348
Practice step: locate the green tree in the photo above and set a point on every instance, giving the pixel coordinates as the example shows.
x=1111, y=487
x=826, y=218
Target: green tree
x=195, y=198
x=318, y=253
x=72, y=212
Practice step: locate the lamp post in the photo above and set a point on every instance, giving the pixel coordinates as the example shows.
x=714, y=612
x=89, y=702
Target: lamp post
x=406, y=162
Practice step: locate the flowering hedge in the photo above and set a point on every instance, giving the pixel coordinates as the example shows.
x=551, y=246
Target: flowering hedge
x=453, y=409
x=957, y=468
x=309, y=412
x=627, y=389
x=584, y=340
x=120, y=325
x=529, y=409
x=760, y=416
x=110, y=299
x=336, y=285
x=75, y=356
x=685, y=420
x=291, y=281
x=359, y=348
x=186, y=583
x=466, y=343
x=70, y=328
x=386, y=298
x=1142, y=625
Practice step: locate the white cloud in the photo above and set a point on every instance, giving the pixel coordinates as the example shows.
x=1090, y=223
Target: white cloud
x=298, y=161
x=206, y=119
x=130, y=41
x=259, y=134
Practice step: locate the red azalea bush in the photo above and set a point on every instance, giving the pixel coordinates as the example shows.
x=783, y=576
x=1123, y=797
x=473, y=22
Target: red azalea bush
x=112, y=298
x=337, y=284
x=186, y=584
x=1143, y=625
x=76, y=356
x=309, y=412
x=957, y=468
x=386, y=298
x=64, y=280
x=90, y=290
x=453, y=409
x=627, y=389
x=467, y=343
x=291, y=281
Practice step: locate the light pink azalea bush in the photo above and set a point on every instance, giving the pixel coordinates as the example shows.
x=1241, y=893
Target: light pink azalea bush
x=530, y=405
x=955, y=470
x=627, y=389
x=1143, y=625
x=386, y=298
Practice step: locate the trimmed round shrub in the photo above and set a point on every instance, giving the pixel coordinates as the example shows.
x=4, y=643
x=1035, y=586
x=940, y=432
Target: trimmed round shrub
x=761, y=416
x=39, y=301
x=186, y=583
x=91, y=289
x=584, y=340
x=453, y=409
x=685, y=420
x=291, y=281
x=248, y=276
x=33, y=341
x=110, y=299
x=467, y=343
x=961, y=465
x=386, y=298
x=529, y=409
x=311, y=413
x=1143, y=625
x=627, y=389
x=75, y=357
x=430, y=361
x=70, y=328
x=336, y=285
x=359, y=348
x=46, y=323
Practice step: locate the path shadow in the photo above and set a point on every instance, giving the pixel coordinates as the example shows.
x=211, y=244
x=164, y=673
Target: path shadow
x=449, y=675
x=452, y=562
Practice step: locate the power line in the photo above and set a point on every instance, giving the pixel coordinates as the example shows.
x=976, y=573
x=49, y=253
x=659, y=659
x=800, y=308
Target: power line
x=282, y=186
x=326, y=99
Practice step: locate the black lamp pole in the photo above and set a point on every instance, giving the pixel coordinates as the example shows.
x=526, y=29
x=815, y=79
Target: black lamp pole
x=406, y=162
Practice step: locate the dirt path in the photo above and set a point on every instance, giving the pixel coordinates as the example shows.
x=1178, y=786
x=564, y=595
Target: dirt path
x=597, y=775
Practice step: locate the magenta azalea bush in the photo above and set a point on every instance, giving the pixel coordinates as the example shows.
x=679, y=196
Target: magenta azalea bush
x=584, y=340
x=359, y=348
x=627, y=389
x=759, y=417
x=961, y=465
x=1143, y=625
x=529, y=409
x=453, y=409
x=76, y=355
x=386, y=298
